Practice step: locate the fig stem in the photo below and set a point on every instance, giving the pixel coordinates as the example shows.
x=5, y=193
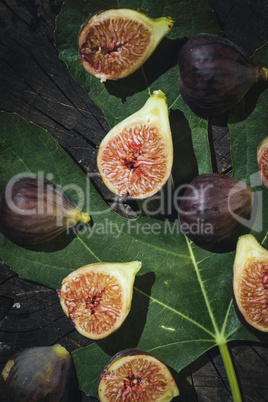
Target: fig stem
x=228, y=364
x=83, y=217
x=263, y=74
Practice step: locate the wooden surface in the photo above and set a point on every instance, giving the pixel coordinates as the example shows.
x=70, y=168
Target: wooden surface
x=36, y=84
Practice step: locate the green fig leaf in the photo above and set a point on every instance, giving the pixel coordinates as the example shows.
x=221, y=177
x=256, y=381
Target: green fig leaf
x=182, y=301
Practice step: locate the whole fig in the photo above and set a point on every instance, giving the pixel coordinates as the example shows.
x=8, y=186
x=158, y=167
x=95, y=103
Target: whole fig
x=213, y=207
x=215, y=74
x=136, y=375
x=34, y=211
x=40, y=374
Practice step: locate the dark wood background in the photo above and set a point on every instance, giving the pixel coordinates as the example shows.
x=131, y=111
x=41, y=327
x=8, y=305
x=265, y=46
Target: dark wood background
x=36, y=84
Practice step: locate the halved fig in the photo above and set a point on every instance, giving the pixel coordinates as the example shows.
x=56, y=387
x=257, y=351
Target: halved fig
x=250, y=281
x=262, y=161
x=44, y=373
x=97, y=297
x=136, y=375
x=34, y=211
x=136, y=156
x=116, y=42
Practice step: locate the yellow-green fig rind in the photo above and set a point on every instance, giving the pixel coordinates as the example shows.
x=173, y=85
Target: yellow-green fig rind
x=250, y=281
x=121, y=147
x=116, y=42
x=97, y=297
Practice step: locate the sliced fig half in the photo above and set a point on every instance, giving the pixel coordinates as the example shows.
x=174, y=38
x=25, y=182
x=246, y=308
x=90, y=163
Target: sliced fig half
x=250, y=281
x=136, y=375
x=116, y=42
x=136, y=156
x=262, y=161
x=97, y=297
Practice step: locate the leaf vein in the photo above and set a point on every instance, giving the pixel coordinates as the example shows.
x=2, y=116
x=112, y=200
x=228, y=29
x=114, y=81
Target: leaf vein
x=176, y=312
x=202, y=288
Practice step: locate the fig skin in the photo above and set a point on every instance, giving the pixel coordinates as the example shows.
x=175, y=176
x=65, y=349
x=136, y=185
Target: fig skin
x=34, y=211
x=215, y=74
x=97, y=297
x=262, y=161
x=37, y=374
x=208, y=206
x=131, y=384
x=135, y=157
x=250, y=282
x=121, y=38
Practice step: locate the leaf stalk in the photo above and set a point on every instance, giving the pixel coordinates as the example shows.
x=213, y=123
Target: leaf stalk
x=232, y=378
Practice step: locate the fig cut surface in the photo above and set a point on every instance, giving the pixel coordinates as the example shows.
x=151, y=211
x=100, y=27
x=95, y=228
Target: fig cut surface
x=97, y=297
x=116, y=42
x=135, y=157
x=262, y=161
x=136, y=375
x=250, y=281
